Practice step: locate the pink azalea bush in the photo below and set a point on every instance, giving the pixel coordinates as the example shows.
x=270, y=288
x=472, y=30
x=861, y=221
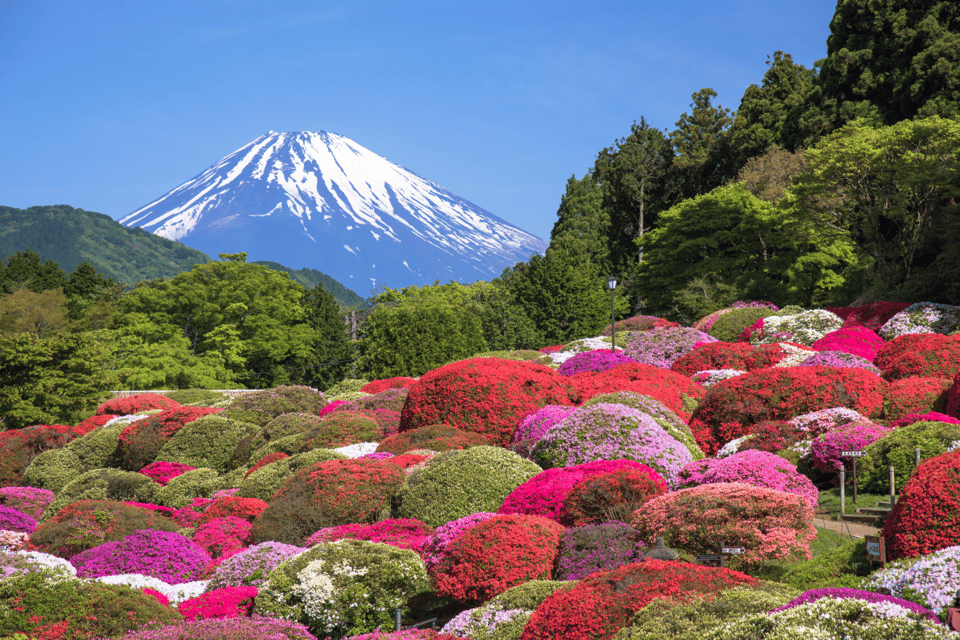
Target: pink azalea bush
x=228, y=602
x=253, y=628
x=930, y=416
x=330, y=408
x=224, y=536
x=533, y=426
x=597, y=360
x=758, y=468
x=868, y=596
x=15, y=520
x=163, y=472
x=29, y=500
x=825, y=449
x=597, y=547
x=662, y=347
x=858, y=341
x=163, y=555
x=840, y=359
x=403, y=533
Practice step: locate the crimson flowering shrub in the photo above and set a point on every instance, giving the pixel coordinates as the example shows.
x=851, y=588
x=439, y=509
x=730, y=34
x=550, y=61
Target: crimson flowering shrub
x=29, y=500
x=603, y=603
x=164, y=555
x=326, y=494
x=189, y=515
x=597, y=360
x=773, y=436
x=18, y=448
x=728, y=355
x=222, y=537
x=433, y=549
x=544, y=493
x=403, y=533
x=613, y=495
x=931, y=416
x=919, y=354
x=265, y=460
x=916, y=395
x=95, y=422
x=398, y=382
x=768, y=524
x=639, y=323
x=248, y=509
x=839, y=359
x=495, y=554
x=589, y=548
x=872, y=316
x=404, y=461
x=228, y=602
x=435, y=437
x=926, y=517
x=858, y=341
x=163, y=472
x=608, y=432
x=137, y=404
x=15, y=520
x=86, y=524
x=731, y=407
x=757, y=468
x=141, y=441
x=662, y=347
x=484, y=395
x=676, y=391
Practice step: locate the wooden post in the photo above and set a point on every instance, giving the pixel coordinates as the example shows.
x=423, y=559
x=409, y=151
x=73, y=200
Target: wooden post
x=893, y=488
x=854, y=481
x=916, y=456
x=843, y=490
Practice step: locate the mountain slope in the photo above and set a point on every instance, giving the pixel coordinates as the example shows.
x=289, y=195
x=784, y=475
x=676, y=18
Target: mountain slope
x=322, y=201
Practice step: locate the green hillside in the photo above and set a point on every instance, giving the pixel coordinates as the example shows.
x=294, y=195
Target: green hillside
x=70, y=236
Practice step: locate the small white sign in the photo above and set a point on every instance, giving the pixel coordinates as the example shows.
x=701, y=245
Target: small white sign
x=852, y=454
x=733, y=551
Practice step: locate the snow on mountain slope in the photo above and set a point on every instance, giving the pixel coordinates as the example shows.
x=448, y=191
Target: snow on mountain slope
x=321, y=200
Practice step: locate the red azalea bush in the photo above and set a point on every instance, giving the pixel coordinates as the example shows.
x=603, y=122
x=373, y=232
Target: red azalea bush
x=403, y=533
x=768, y=524
x=137, y=404
x=859, y=341
x=190, y=514
x=926, y=517
x=142, y=440
x=872, y=316
x=612, y=496
x=222, y=537
x=728, y=355
x=639, y=323
x=930, y=355
x=497, y=554
x=94, y=422
x=326, y=494
x=671, y=388
x=398, y=382
x=341, y=429
x=248, y=509
x=916, y=395
x=733, y=406
x=544, y=493
x=163, y=472
x=435, y=437
x=18, y=447
x=773, y=436
x=758, y=468
x=553, y=349
x=484, y=395
x=598, y=606
x=228, y=602
x=406, y=460
x=265, y=460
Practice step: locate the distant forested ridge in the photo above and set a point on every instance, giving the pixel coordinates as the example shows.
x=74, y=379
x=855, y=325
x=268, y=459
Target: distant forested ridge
x=310, y=278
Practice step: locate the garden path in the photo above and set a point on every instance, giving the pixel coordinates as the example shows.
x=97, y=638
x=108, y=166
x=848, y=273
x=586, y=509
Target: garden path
x=852, y=529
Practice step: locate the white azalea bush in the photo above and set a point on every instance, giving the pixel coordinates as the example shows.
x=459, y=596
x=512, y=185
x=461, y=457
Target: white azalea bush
x=346, y=587
x=803, y=328
x=930, y=581
x=922, y=317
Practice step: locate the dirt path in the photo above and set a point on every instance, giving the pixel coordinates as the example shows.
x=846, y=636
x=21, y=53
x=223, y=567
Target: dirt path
x=851, y=529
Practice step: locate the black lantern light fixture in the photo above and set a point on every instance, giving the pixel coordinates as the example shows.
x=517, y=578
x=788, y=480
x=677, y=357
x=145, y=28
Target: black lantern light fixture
x=612, y=284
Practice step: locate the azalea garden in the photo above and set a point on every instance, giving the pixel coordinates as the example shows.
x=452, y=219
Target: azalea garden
x=512, y=496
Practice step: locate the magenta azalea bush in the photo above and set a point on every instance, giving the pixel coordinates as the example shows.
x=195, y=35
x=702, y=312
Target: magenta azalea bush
x=869, y=596
x=253, y=628
x=857, y=341
x=433, y=551
x=819, y=422
x=29, y=500
x=250, y=567
x=223, y=536
x=840, y=359
x=825, y=449
x=930, y=416
x=403, y=533
x=228, y=602
x=610, y=432
x=596, y=361
x=758, y=468
x=16, y=520
x=662, y=347
x=163, y=555
x=600, y=547
x=163, y=472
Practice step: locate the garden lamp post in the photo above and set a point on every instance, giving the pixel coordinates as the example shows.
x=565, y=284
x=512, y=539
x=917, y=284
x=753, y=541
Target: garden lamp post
x=612, y=284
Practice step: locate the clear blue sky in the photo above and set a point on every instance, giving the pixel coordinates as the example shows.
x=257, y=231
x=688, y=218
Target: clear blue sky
x=106, y=106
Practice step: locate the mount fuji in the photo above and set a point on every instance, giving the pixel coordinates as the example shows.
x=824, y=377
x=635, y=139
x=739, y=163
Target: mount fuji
x=322, y=201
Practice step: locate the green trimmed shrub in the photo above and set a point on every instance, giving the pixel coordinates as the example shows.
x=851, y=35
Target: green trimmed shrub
x=206, y=442
x=284, y=425
x=350, y=396
x=100, y=448
x=340, y=429
x=290, y=445
x=843, y=567
x=344, y=588
x=141, y=441
x=729, y=326
x=180, y=491
x=53, y=607
x=197, y=397
x=267, y=480
x=504, y=617
x=105, y=484
x=53, y=469
x=525, y=355
x=435, y=437
x=670, y=421
x=455, y=484
x=328, y=494
x=260, y=407
x=348, y=385
x=898, y=449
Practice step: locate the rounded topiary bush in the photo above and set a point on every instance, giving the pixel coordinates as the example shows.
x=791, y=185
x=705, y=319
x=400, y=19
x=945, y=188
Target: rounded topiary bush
x=803, y=328
x=340, y=429
x=758, y=468
x=164, y=555
x=433, y=549
x=208, y=441
x=919, y=355
x=251, y=566
x=326, y=494
x=86, y=524
x=496, y=554
x=283, y=426
x=589, y=548
x=260, y=407
x=612, y=496
x=435, y=437
x=391, y=399
x=137, y=403
x=30, y=500
x=18, y=447
x=455, y=484
x=100, y=447
x=839, y=359
x=267, y=480
x=105, y=484
x=197, y=397
x=253, y=628
x=403, y=533
x=344, y=587
x=898, y=449
x=922, y=317
x=727, y=355
x=768, y=524
x=141, y=441
x=534, y=425
x=53, y=469
x=826, y=449
x=917, y=396
x=858, y=341
x=504, y=617
x=669, y=420
x=928, y=580
x=677, y=392
x=348, y=385
x=706, y=322
x=600, y=605
x=733, y=406
x=638, y=323
x=398, y=382
x=729, y=326
x=596, y=361
x=609, y=432
x=926, y=518
x=180, y=491
x=15, y=520
x=662, y=347
x=246, y=508
x=483, y=395
x=162, y=472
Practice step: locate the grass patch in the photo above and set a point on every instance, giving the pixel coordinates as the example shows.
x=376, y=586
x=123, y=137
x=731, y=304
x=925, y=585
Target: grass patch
x=830, y=502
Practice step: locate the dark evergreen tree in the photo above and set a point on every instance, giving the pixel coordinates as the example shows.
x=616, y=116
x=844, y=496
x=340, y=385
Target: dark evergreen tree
x=704, y=157
x=334, y=351
x=25, y=269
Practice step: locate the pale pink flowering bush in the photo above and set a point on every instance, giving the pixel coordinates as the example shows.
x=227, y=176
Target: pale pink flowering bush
x=825, y=449
x=403, y=533
x=758, y=468
x=662, y=347
x=253, y=628
x=840, y=359
x=769, y=524
x=536, y=424
x=819, y=422
x=922, y=317
x=251, y=566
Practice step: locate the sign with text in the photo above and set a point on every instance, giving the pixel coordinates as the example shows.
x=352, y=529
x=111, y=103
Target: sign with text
x=852, y=454
x=732, y=551
x=876, y=549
